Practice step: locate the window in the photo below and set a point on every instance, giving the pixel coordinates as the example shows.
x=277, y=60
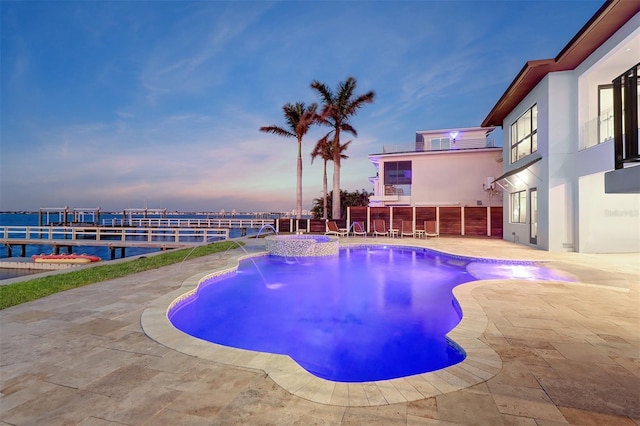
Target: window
x=524, y=134
x=519, y=207
x=533, y=209
x=397, y=178
x=626, y=116
x=605, y=113
x=397, y=173
x=440, y=144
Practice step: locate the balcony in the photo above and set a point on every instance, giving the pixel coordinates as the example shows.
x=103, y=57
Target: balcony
x=397, y=189
x=597, y=130
x=430, y=146
x=393, y=194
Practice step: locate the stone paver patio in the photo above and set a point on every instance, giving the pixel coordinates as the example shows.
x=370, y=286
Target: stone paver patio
x=539, y=353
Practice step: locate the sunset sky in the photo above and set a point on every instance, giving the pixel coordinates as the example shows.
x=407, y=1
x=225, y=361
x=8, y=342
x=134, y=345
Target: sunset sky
x=126, y=104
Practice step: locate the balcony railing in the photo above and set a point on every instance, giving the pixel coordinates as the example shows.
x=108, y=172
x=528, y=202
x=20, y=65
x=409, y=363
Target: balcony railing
x=427, y=146
x=597, y=130
x=397, y=190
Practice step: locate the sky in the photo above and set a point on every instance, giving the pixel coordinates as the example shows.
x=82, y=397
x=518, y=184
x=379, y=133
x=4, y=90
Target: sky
x=131, y=104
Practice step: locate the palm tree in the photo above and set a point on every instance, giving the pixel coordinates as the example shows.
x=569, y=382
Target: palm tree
x=299, y=118
x=324, y=149
x=337, y=109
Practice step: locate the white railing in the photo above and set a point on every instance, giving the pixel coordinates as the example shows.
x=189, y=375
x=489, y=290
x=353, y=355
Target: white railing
x=427, y=146
x=188, y=223
x=149, y=235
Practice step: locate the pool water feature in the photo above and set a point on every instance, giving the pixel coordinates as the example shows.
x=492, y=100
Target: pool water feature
x=371, y=313
x=301, y=245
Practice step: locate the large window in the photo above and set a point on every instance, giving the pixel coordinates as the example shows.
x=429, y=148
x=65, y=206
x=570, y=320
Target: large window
x=397, y=177
x=519, y=207
x=524, y=134
x=626, y=117
x=397, y=173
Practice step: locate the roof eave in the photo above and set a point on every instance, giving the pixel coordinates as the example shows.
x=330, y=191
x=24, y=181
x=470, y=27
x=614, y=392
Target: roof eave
x=529, y=76
x=611, y=16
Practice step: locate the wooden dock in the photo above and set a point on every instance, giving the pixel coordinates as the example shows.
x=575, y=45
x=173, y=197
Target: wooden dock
x=114, y=238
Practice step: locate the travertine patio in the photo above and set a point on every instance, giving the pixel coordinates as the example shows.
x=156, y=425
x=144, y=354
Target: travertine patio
x=540, y=353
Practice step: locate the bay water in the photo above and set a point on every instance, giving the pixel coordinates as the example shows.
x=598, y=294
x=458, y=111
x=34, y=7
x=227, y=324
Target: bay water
x=31, y=219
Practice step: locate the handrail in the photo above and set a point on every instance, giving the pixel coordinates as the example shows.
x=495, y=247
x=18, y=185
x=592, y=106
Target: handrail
x=425, y=146
x=97, y=233
x=188, y=223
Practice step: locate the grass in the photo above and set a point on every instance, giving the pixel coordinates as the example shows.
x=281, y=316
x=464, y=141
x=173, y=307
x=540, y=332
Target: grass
x=26, y=291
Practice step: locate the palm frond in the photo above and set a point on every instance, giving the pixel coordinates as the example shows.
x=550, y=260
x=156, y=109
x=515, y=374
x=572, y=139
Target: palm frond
x=343, y=148
x=346, y=127
x=277, y=131
x=324, y=92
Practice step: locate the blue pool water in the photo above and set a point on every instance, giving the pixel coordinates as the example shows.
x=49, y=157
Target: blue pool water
x=370, y=313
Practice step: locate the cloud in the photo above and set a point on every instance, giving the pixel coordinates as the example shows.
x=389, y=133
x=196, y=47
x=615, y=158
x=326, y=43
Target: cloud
x=177, y=157
x=190, y=57
x=115, y=103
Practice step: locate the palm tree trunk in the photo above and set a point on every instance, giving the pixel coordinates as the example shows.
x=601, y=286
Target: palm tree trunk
x=336, y=176
x=299, y=182
x=324, y=191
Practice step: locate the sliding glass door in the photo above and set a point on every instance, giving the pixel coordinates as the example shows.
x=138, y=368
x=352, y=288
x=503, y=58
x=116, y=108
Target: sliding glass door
x=533, y=206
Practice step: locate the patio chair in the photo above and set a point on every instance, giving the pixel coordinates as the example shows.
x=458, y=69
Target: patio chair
x=358, y=228
x=332, y=229
x=380, y=227
x=431, y=228
x=407, y=229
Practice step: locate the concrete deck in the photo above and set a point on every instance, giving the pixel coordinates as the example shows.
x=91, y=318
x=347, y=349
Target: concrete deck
x=539, y=353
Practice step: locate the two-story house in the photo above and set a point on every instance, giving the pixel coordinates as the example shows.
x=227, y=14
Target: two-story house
x=446, y=176
x=443, y=167
x=571, y=177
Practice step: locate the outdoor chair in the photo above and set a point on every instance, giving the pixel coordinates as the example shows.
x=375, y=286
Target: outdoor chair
x=431, y=228
x=380, y=228
x=358, y=228
x=332, y=229
x=407, y=229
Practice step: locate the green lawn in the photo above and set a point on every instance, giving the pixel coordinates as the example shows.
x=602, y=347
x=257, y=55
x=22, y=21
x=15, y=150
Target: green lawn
x=25, y=291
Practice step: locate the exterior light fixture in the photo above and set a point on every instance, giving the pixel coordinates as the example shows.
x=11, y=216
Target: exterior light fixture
x=453, y=135
x=489, y=184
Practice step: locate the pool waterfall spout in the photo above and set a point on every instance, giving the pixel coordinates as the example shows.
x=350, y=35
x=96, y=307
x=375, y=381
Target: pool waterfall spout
x=271, y=227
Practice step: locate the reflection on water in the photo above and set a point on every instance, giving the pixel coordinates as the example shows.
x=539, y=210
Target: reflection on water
x=6, y=274
x=502, y=270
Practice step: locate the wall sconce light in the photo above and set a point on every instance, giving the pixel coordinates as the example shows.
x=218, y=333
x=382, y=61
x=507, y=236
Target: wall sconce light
x=489, y=184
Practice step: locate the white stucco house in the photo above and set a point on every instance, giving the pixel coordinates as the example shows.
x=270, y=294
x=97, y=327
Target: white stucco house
x=447, y=167
x=570, y=171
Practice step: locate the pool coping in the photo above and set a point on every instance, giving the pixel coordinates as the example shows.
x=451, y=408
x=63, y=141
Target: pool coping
x=481, y=362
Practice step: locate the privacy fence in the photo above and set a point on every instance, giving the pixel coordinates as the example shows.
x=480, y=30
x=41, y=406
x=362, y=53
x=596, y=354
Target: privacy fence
x=451, y=220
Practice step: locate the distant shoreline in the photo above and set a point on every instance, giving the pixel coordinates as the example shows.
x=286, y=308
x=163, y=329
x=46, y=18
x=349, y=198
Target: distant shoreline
x=175, y=213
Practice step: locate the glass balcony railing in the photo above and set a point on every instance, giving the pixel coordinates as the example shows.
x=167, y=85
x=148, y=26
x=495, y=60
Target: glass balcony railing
x=597, y=130
x=438, y=145
x=399, y=190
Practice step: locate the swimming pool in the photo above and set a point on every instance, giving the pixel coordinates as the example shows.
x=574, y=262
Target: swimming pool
x=372, y=313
